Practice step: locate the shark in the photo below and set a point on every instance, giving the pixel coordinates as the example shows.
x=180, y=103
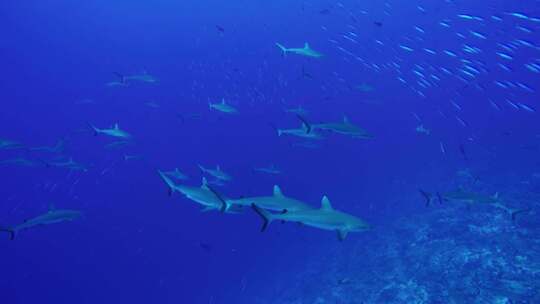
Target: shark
x=8, y=144
x=272, y=169
x=115, y=131
x=306, y=145
x=113, y=84
x=57, y=148
x=203, y=195
x=472, y=198
x=52, y=216
x=275, y=202
x=326, y=218
x=223, y=107
x=305, y=51
x=67, y=164
x=305, y=131
x=344, y=127
x=217, y=173
x=364, y=87
x=117, y=144
x=298, y=110
x=23, y=162
x=143, y=77
x=177, y=174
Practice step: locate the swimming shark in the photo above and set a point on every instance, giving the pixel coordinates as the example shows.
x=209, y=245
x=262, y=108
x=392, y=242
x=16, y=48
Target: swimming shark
x=217, y=173
x=298, y=110
x=345, y=127
x=223, y=107
x=326, y=218
x=8, y=144
x=23, y=162
x=112, y=84
x=364, y=87
x=272, y=169
x=52, y=216
x=117, y=144
x=143, y=77
x=305, y=131
x=58, y=148
x=276, y=202
x=115, y=131
x=305, y=51
x=67, y=164
x=472, y=198
x=177, y=174
x=203, y=195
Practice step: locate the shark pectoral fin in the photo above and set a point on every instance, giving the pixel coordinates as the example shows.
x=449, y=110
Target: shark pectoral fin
x=342, y=234
x=426, y=195
x=265, y=215
x=284, y=212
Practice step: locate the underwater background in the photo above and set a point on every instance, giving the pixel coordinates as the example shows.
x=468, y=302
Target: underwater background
x=446, y=171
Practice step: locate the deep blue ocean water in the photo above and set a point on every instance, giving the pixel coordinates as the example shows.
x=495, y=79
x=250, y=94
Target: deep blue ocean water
x=447, y=90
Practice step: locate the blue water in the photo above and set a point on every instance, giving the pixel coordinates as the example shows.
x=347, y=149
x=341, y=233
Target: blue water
x=468, y=72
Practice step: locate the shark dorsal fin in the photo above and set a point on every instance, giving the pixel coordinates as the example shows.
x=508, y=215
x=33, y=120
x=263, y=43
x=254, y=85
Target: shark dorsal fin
x=116, y=126
x=306, y=46
x=204, y=183
x=218, y=168
x=325, y=204
x=345, y=119
x=222, y=100
x=277, y=191
x=496, y=196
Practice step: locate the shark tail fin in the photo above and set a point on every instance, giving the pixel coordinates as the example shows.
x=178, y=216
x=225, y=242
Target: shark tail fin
x=282, y=48
x=96, y=130
x=12, y=232
x=279, y=132
x=170, y=184
x=121, y=77
x=427, y=196
x=266, y=216
x=514, y=213
x=305, y=123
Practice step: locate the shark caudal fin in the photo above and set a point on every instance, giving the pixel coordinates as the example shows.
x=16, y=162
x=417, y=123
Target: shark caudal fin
x=266, y=216
x=427, y=196
x=121, y=77
x=96, y=130
x=12, y=232
x=170, y=184
x=283, y=49
x=305, y=124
